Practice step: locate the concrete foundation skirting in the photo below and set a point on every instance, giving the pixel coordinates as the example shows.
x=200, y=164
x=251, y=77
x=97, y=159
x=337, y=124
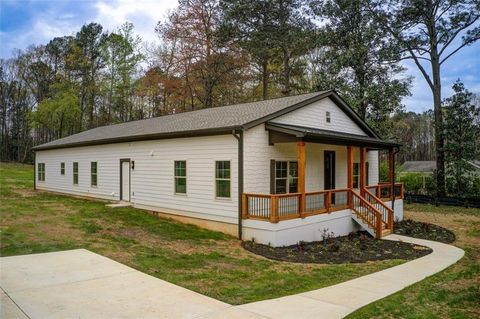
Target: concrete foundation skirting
x=290, y=232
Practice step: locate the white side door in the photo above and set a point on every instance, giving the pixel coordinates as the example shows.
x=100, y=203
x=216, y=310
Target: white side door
x=125, y=173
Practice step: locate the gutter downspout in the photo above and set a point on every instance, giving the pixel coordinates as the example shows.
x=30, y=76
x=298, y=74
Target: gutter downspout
x=396, y=150
x=239, y=137
x=34, y=170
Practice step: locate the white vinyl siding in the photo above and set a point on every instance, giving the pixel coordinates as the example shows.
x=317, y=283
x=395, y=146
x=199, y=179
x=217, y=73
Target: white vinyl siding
x=153, y=175
x=314, y=115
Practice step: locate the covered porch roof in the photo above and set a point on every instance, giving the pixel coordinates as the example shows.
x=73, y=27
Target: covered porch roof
x=282, y=133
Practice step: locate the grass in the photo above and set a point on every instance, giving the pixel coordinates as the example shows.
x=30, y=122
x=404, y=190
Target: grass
x=208, y=262
x=452, y=293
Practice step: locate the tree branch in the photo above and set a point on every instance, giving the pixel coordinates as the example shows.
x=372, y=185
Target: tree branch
x=454, y=35
x=459, y=47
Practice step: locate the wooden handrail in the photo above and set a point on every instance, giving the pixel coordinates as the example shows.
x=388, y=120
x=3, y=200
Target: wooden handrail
x=379, y=202
x=376, y=221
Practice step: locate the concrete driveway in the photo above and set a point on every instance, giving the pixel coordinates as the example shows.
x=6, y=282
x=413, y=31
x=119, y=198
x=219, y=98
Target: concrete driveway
x=82, y=284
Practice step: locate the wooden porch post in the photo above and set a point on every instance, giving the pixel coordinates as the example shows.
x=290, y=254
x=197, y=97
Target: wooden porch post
x=391, y=163
x=301, y=176
x=363, y=156
x=349, y=173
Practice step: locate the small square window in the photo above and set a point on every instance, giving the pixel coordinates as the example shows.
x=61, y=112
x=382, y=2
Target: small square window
x=327, y=117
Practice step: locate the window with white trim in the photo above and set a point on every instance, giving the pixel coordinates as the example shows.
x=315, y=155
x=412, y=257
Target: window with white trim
x=328, y=117
x=93, y=174
x=286, y=177
x=356, y=175
x=222, y=179
x=180, y=172
x=62, y=168
x=75, y=173
x=41, y=172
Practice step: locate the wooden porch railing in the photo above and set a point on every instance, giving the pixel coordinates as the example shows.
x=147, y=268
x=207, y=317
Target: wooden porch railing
x=369, y=214
x=387, y=212
x=278, y=207
x=383, y=190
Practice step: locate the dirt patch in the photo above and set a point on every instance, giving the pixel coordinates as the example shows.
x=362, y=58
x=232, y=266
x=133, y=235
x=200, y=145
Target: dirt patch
x=423, y=230
x=354, y=248
x=25, y=192
x=460, y=224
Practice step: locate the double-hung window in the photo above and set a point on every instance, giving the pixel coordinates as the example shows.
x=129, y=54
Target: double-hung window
x=75, y=173
x=93, y=174
x=180, y=172
x=356, y=174
x=62, y=168
x=41, y=172
x=222, y=179
x=286, y=177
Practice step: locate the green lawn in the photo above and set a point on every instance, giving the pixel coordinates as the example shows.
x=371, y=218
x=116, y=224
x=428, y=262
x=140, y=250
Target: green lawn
x=452, y=293
x=208, y=262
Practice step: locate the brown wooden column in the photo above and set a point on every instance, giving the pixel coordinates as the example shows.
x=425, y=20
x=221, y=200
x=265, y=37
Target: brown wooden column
x=391, y=163
x=349, y=173
x=301, y=176
x=363, y=169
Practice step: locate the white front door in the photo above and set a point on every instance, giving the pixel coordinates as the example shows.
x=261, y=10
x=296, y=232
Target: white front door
x=125, y=176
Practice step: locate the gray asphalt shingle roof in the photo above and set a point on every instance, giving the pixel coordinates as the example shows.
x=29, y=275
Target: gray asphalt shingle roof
x=231, y=116
x=419, y=166
x=217, y=120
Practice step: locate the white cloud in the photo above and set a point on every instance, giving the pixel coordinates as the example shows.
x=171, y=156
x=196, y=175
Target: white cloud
x=144, y=14
x=50, y=23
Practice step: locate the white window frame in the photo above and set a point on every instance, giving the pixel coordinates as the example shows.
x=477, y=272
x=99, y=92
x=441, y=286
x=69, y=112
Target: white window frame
x=224, y=179
x=96, y=174
x=75, y=174
x=287, y=178
x=41, y=172
x=328, y=117
x=175, y=177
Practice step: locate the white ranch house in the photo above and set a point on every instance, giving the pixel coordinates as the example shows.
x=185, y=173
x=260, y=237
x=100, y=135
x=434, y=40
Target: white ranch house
x=279, y=171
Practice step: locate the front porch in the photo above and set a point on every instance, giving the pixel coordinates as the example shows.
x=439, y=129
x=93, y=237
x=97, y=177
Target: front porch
x=371, y=205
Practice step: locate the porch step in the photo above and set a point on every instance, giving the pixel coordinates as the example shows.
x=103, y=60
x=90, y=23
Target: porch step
x=364, y=225
x=386, y=232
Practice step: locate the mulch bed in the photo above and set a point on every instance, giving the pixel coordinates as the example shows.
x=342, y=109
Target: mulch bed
x=355, y=248
x=422, y=230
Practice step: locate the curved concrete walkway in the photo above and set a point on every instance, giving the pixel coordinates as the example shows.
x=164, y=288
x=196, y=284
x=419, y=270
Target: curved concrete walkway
x=81, y=284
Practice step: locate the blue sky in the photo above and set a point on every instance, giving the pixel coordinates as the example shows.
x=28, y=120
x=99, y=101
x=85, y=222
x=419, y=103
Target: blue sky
x=25, y=22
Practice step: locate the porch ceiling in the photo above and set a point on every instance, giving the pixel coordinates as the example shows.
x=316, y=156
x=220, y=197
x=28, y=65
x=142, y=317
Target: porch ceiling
x=281, y=133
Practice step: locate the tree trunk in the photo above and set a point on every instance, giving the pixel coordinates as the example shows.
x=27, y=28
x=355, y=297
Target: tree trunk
x=265, y=79
x=439, y=134
x=286, y=73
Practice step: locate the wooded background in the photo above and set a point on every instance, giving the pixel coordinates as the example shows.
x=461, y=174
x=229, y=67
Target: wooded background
x=212, y=53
